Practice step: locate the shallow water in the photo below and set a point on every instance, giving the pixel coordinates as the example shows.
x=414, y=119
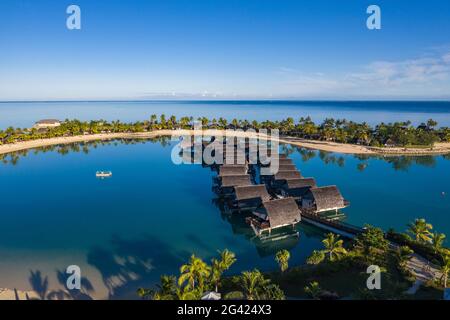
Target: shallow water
x=126, y=231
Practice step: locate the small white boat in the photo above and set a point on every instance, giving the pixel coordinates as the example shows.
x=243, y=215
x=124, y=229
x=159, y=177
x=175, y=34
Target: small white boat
x=103, y=174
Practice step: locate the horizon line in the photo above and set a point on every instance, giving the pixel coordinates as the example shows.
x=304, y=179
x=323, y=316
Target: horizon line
x=230, y=100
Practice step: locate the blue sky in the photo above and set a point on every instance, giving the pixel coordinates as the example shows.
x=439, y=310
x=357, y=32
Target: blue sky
x=224, y=49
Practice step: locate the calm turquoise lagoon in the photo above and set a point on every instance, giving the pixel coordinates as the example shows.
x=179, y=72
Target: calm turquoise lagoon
x=146, y=220
x=124, y=232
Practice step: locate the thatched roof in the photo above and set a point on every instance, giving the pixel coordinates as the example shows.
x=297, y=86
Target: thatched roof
x=283, y=162
x=287, y=167
x=282, y=159
x=233, y=170
x=282, y=212
x=285, y=175
x=233, y=158
x=300, y=183
x=48, y=121
x=280, y=155
x=327, y=198
x=251, y=192
x=236, y=181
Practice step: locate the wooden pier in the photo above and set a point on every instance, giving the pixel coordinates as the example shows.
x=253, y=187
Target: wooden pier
x=286, y=200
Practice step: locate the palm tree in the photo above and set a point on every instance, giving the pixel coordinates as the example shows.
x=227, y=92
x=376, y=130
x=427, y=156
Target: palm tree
x=186, y=294
x=421, y=230
x=403, y=255
x=282, y=258
x=316, y=257
x=251, y=283
x=227, y=259
x=39, y=284
x=194, y=273
x=333, y=247
x=445, y=269
x=438, y=241
x=313, y=290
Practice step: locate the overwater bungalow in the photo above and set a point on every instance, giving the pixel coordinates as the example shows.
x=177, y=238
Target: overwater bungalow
x=323, y=199
x=237, y=157
x=247, y=198
x=281, y=161
x=296, y=188
x=287, y=167
x=281, y=168
x=280, y=177
x=225, y=185
x=274, y=214
x=233, y=170
x=280, y=155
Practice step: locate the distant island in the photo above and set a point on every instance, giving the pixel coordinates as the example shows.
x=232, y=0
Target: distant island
x=342, y=136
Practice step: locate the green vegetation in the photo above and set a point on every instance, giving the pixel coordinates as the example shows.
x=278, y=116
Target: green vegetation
x=421, y=230
x=197, y=277
x=333, y=251
x=344, y=273
x=282, y=258
x=340, y=266
x=313, y=290
x=393, y=134
x=445, y=269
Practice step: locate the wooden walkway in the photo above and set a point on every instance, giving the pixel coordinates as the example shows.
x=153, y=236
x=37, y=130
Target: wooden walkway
x=338, y=227
x=422, y=269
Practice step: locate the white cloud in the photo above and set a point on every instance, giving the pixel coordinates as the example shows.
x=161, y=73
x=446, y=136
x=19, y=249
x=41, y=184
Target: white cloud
x=420, y=77
x=415, y=71
x=446, y=58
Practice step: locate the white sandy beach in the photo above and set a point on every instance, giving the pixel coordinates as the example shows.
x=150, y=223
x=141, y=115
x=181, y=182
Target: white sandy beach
x=439, y=148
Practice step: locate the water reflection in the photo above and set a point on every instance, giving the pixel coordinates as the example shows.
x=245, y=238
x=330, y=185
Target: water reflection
x=265, y=247
x=399, y=163
x=126, y=264
x=85, y=147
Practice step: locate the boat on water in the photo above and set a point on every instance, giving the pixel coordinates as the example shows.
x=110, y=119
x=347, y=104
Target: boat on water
x=103, y=174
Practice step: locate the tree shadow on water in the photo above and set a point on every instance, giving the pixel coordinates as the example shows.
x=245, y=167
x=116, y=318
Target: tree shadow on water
x=40, y=285
x=131, y=264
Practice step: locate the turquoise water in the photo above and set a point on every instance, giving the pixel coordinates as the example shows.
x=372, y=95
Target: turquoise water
x=25, y=114
x=143, y=222
x=126, y=231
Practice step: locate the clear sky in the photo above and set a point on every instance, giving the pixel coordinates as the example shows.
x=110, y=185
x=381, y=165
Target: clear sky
x=224, y=49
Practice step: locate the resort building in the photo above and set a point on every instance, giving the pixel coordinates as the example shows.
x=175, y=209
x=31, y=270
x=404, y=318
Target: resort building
x=211, y=295
x=323, y=199
x=281, y=176
x=47, y=123
x=248, y=197
x=296, y=188
x=275, y=214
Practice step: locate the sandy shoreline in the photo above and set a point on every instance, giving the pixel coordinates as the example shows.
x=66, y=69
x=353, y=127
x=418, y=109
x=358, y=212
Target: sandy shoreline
x=8, y=294
x=439, y=148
